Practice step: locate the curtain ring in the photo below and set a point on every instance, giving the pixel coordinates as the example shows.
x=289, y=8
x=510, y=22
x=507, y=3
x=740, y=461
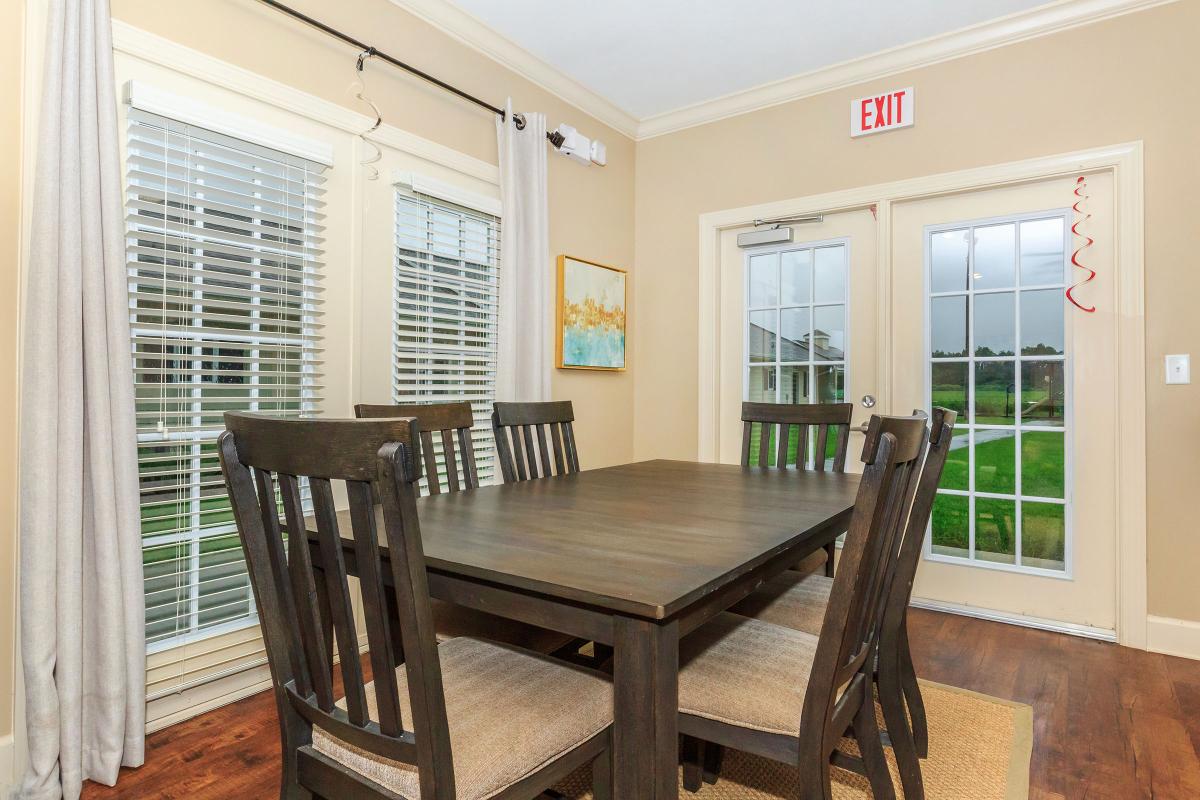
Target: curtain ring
x=519, y=121
x=370, y=52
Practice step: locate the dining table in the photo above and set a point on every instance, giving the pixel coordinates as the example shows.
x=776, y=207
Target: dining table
x=633, y=556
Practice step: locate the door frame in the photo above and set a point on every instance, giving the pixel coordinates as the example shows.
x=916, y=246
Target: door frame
x=1125, y=163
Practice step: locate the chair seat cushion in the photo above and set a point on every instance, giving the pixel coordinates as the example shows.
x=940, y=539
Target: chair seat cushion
x=747, y=673
x=791, y=599
x=813, y=562
x=509, y=711
x=451, y=621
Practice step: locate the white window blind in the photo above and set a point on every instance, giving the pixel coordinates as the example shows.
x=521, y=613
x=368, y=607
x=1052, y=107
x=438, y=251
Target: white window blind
x=224, y=263
x=446, y=306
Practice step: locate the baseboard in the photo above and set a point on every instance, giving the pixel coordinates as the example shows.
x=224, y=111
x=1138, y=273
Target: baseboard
x=1039, y=623
x=8, y=767
x=1173, y=637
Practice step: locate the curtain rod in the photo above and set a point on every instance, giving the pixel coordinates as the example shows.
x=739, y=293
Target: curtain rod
x=555, y=138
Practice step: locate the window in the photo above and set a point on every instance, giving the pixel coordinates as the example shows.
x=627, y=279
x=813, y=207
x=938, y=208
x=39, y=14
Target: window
x=446, y=305
x=796, y=327
x=998, y=355
x=223, y=264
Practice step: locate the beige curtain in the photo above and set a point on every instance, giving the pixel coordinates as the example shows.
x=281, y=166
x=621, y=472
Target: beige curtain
x=524, y=359
x=82, y=628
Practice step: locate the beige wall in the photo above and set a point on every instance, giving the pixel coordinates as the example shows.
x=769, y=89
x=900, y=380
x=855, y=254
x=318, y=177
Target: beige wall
x=1133, y=77
x=591, y=208
x=11, y=50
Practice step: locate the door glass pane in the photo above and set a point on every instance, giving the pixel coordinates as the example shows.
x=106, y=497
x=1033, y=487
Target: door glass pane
x=795, y=334
x=995, y=256
x=829, y=274
x=995, y=461
x=996, y=530
x=995, y=325
x=831, y=384
x=762, y=385
x=951, y=525
x=796, y=277
x=1042, y=463
x=995, y=398
x=1043, y=535
x=1043, y=393
x=761, y=335
x=1043, y=262
x=954, y=472
x=948, y=326
x=794, y=385
x=1042, y=323
x=764, y=282
x=950, y=387
x=948, y=254
x=829, y=333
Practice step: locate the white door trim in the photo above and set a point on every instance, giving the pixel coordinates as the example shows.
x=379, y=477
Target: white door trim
x=1125, y=162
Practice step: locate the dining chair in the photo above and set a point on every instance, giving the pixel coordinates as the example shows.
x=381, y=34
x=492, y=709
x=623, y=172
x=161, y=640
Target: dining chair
x=790, y=695
x=799, y=602
x=774, y=423
x=465, y=719
x=451, y=424
x=516, y=425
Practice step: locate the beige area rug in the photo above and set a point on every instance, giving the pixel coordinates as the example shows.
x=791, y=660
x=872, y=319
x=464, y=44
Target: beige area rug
x=979, y=749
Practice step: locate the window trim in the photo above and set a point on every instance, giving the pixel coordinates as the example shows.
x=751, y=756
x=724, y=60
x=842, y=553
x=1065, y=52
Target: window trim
x=965, y=420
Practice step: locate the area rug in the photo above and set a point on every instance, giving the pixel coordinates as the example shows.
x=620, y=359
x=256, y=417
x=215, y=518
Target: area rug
x=979, y=749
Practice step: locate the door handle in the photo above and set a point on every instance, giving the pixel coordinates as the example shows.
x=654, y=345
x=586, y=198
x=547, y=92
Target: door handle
x=868, y=401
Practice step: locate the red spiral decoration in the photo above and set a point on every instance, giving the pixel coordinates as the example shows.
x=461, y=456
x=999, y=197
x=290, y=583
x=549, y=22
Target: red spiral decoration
x=1081, y=217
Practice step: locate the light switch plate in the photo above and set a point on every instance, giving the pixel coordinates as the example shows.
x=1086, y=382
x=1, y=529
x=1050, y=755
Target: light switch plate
x=1179, y=368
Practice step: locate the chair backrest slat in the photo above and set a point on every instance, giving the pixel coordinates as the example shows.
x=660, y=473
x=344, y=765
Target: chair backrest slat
x=338, y=590
x=893, y=456
x=778, y=419
x=304, y=602
x=448, y=421
x=317, y=648
x=517, y=425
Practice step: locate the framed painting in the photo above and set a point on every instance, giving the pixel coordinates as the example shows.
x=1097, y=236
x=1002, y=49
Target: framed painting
x=591, y=315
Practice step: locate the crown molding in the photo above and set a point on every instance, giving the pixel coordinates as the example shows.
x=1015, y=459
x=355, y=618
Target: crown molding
x=155, y=49
x=1023, y=25
x=458, y=24
x=1041, y=21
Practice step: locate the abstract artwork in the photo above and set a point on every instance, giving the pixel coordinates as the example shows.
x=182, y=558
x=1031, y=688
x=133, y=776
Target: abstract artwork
x=591, y=315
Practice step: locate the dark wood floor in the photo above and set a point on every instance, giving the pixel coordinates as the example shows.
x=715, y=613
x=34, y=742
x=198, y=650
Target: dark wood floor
x=1110, y=723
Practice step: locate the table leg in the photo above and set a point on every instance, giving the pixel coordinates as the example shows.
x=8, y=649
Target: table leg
x=645, y=710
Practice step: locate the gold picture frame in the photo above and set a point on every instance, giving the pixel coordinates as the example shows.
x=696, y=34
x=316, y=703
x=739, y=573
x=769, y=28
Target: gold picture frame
x=590, y=328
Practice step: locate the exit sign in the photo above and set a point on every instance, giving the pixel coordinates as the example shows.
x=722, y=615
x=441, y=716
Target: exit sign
x=881, y=112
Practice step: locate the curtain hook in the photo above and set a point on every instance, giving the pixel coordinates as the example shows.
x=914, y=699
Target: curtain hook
x=370, y=52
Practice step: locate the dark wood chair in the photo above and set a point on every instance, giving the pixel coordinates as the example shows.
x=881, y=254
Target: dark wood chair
x=799, y=602
x=449, y=425
x=516, y=425
x=789, y=695
x=774, y=422
x=425, y=727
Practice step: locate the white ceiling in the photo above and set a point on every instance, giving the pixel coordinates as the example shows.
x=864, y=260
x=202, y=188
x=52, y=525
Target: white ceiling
x=650, y=57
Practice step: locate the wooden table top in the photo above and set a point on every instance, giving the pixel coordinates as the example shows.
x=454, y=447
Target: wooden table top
x=644, y=539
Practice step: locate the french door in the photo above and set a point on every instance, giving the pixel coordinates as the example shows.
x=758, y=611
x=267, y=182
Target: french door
x=1023, y=523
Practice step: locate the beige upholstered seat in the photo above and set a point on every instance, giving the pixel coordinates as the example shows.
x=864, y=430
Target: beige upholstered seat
x=451, y=621
x=509, y=712
x=813, y=562
x=747, y=673
x=791, y=599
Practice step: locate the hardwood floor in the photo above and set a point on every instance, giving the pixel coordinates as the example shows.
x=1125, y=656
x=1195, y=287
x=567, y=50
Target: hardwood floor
x=1110, y=723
